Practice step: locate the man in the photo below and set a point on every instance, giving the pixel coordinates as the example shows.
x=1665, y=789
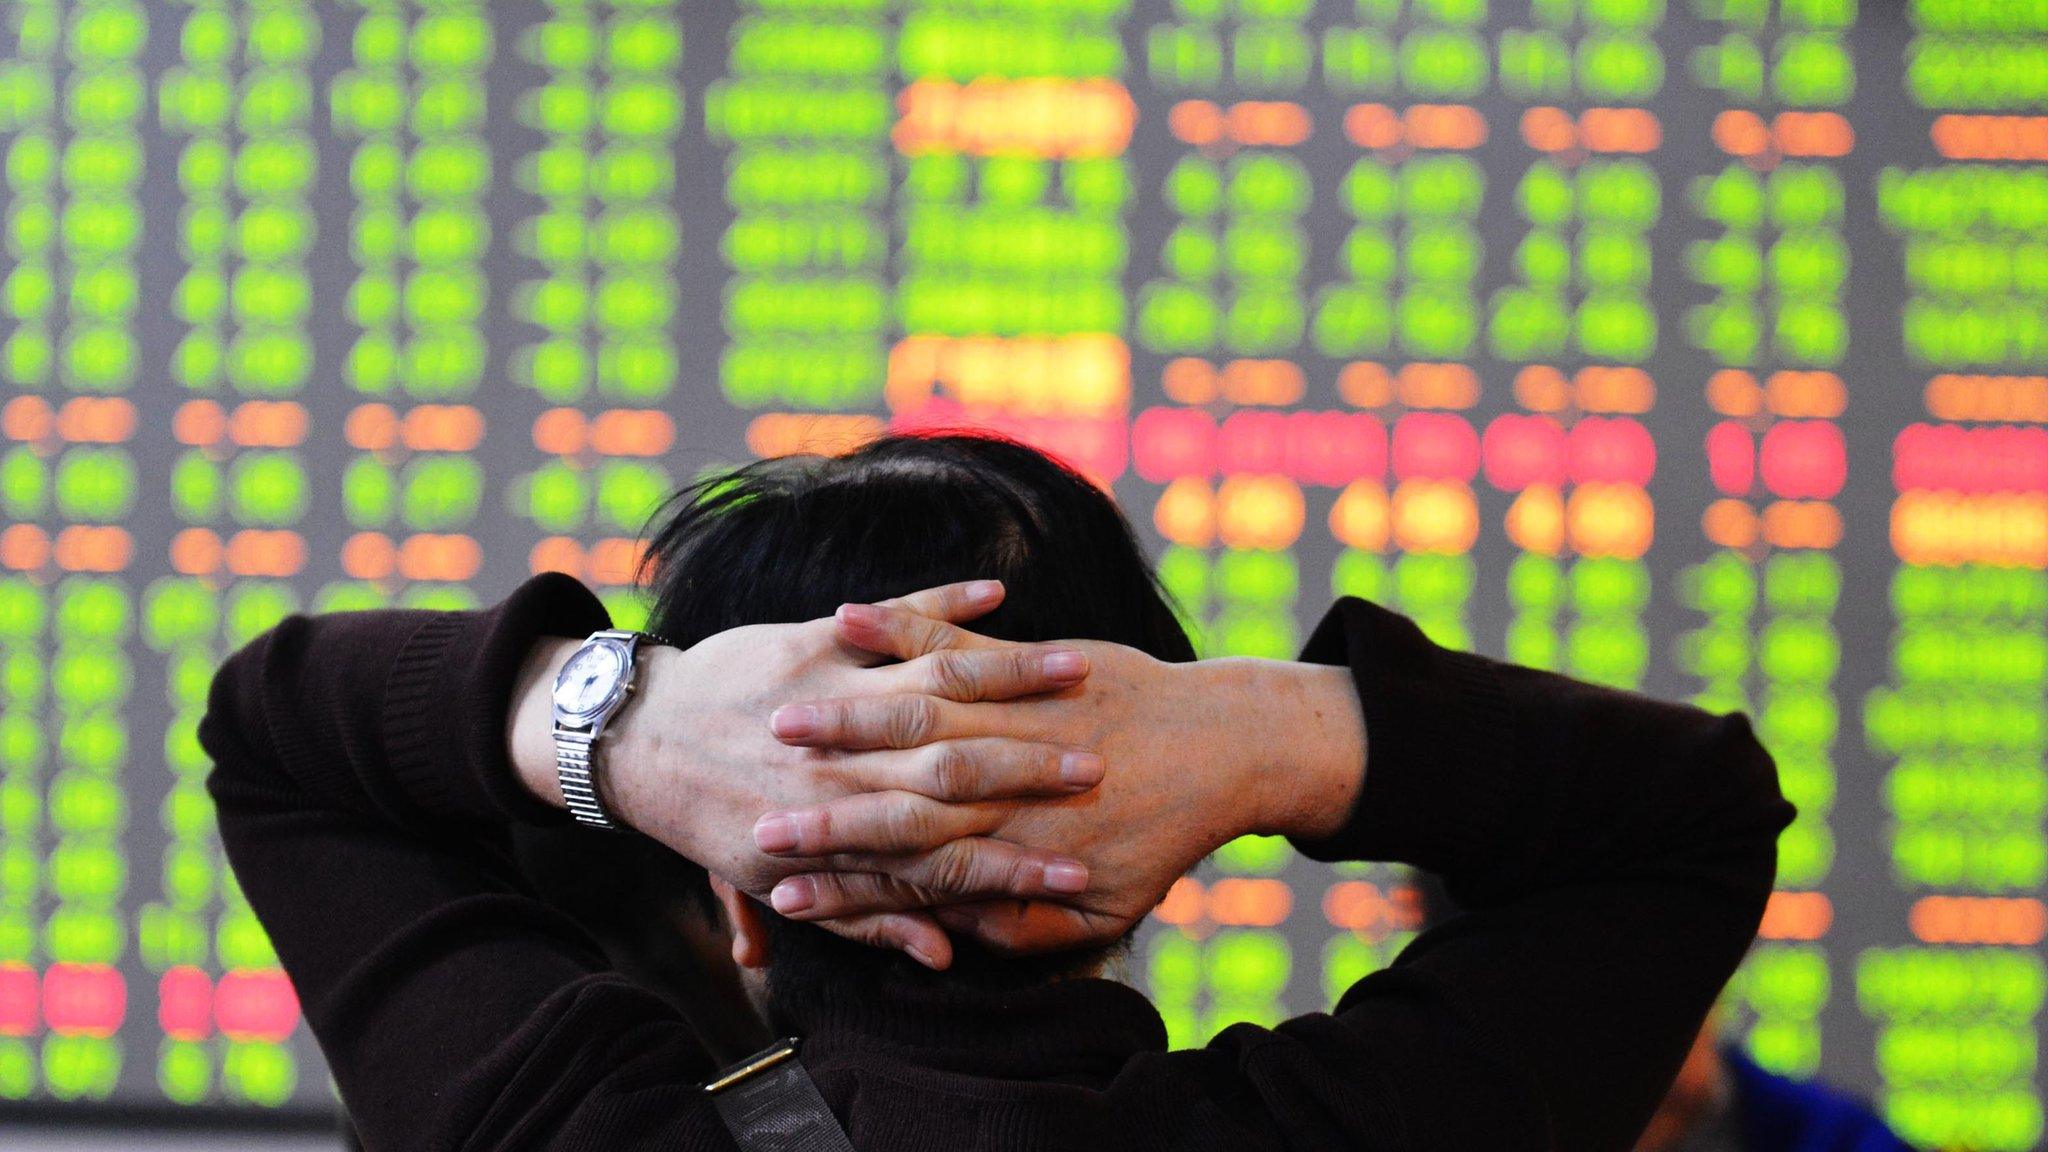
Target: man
x=1615, y=853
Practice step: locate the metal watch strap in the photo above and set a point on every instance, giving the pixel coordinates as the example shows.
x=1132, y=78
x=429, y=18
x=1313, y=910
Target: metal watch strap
x=770, y=1104
x=576, y=765
x=579, y=783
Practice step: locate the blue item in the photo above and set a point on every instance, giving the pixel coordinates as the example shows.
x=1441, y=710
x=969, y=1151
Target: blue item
x=1782, y=1115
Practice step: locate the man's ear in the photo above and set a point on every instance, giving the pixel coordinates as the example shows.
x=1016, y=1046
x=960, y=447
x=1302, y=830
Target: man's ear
x=749, y=928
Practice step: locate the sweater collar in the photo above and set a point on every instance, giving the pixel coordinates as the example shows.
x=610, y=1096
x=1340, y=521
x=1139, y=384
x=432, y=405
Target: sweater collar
x=1084, y=1028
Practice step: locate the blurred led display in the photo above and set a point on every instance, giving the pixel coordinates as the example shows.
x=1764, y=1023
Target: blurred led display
x=1698, y=347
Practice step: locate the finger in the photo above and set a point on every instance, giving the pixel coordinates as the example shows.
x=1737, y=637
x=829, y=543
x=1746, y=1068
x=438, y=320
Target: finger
x=976, y=867
x=899, y=633
x=967, y=600
x=871, y=822
x=999, y=673
x=986, y=768
x=1023, y=927
x=901, y=720
x=913, y=933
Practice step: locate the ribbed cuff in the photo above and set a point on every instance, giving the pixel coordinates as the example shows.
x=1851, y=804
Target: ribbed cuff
x=1439, y=755
x=447, y=699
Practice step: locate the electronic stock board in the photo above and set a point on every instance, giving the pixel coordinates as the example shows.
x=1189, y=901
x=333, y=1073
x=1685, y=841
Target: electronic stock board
x=1698, y=346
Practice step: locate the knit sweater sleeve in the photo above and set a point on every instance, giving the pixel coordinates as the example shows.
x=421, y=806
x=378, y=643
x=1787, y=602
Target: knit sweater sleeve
x=1613, y=854
x=365, y=794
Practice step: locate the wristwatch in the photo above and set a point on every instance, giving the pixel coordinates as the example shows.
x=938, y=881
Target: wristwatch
x=589, y=690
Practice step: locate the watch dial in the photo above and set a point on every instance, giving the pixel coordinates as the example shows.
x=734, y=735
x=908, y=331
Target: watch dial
x=588, y=678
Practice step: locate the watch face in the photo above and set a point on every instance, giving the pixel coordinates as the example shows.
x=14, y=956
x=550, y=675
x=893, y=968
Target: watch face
x=588, y=679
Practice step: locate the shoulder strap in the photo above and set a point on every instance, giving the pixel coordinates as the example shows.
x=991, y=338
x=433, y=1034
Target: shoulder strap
x=769, y=1104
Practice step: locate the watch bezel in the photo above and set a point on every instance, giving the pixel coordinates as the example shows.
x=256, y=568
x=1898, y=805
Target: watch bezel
x=614, y=695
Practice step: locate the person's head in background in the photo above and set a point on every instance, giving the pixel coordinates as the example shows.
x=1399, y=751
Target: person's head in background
x=791, y=539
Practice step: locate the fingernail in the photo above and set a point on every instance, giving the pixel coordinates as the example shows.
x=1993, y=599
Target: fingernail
x=859, y=614
x=775, y=833
x=1080, y=769
x=1066, y=876
x=793, y=895
x=918, y=955
x=793, y=721
x=1065, y=665
x=983, y=591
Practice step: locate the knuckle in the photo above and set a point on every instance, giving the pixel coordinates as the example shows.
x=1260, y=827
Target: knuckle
x=881, y=891
x=848, y=720
x=850, y=892
x=932, y=635
x=1047, y=758
x=910, y=823
x=1020, y=873
x=953, y=868
x=953, y=774
x=954, y=676
x=910, y=722
x=900, y=823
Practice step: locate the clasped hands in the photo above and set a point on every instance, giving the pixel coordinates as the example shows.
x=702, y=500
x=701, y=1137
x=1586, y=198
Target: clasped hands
x=891, y=775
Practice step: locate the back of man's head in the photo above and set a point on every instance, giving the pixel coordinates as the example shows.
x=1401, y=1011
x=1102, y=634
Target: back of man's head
x=791, y=539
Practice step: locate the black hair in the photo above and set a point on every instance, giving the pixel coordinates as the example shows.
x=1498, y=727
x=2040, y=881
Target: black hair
x=792, y=538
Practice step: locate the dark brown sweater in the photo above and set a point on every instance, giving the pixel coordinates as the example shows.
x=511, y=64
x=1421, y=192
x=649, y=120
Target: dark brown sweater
x=1614, y=854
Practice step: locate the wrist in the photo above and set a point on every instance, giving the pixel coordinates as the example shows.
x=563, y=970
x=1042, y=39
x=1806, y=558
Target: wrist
x=1243, y=746
x=632, y=747
x=1304, y=746
x=530, y=729
x=530, y=724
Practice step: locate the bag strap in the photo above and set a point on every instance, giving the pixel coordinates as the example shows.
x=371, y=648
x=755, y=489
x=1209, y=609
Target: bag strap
x=770, y=1104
